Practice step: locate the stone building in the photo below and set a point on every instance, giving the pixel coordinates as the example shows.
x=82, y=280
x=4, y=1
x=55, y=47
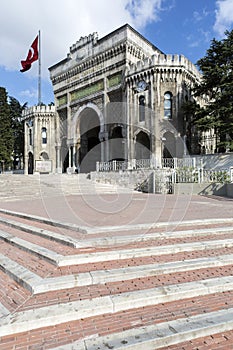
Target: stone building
x=118, y=98
x=39, y=139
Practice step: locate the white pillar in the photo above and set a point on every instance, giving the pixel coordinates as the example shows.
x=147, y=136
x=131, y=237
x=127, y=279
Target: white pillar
x=58, y=159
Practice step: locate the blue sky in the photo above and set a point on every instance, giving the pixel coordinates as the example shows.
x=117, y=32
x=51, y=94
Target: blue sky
x=174, y=26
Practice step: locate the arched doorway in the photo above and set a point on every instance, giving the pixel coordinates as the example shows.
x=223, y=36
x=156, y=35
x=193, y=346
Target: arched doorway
x=30, y=163
x=116, y=143
x=169, y=145
x=90, y=148
x=64, y=155
x=142, y=147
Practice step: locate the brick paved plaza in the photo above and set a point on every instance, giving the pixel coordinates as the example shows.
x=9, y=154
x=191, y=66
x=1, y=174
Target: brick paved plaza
x=87, y=267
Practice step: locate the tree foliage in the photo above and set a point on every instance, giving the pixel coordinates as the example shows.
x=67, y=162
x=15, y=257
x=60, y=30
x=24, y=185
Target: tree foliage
x=6, y=132
x=17, y=124
x=217, y=87
x=11, y=130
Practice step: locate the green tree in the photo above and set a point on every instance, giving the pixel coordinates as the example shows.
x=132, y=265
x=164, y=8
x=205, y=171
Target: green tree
x=6, y=132
x=16, y=110
x=217, y=87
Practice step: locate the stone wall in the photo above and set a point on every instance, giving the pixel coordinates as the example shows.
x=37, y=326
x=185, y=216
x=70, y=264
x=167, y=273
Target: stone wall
x=213, y=189
x=135, y=180
x=216, y=161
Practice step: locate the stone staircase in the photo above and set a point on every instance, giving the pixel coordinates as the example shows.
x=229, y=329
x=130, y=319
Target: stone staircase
x=159, y=286
x=17, y=187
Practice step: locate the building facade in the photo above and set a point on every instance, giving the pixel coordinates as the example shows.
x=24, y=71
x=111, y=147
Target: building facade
x=39, y=139
x=118, y=98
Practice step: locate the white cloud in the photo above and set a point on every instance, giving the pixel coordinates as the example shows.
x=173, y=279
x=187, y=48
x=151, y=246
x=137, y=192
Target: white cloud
x=200, y=16
x=144, y=11
x=29, y=93
x=224, y=16
x=62, y=23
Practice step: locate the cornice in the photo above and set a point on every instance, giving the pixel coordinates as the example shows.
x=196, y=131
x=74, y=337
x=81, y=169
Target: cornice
x=90, y=62
x=73, y=84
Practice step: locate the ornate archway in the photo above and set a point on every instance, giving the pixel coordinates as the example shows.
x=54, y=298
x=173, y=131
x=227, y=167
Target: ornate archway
x=87, y=129
x=143, y=146
x=169, y=145
x=116, y=142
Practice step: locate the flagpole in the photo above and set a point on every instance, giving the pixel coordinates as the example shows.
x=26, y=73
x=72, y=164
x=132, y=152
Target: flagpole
x=39, y=71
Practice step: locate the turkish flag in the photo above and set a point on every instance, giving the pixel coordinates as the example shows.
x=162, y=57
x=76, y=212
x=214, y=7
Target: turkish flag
x=33, y=55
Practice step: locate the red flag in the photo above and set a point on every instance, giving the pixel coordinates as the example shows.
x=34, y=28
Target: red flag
x=33, y=55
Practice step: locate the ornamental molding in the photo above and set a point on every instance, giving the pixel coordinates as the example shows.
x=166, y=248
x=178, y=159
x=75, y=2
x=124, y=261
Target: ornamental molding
x=90, y=63
x=100, y=74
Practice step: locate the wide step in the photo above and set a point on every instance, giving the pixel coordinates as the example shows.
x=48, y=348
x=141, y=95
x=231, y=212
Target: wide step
x=66, y=287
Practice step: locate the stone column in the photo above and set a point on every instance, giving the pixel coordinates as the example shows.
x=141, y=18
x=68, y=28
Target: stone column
x=36, y=139
x=104, y=136
x=70, y=156
x=58, y=159
x=152, y=118
x=130, y=110
x=77, y=155
x=102, y=149
x=157, y=132
x=26, y=164
x=26, y=148
x=106, y=148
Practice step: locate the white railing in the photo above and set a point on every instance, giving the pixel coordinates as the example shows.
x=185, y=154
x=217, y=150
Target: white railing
x=201, y=176
x=183, y=170
x=220, y=176
x=143, y=163
x=116, y=165
x=185, y=175
x=179, y=162
x=135, y=164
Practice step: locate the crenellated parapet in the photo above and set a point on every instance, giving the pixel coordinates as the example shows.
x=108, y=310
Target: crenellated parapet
x=36, y=111
x=84, y=41
x=163, y=63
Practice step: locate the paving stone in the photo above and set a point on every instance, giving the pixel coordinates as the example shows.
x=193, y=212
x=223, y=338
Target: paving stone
x=51, y=222
x=91, y=284
x=142, y=252
x=43, y=233
x=155, y=337
x=30, y=247
x=51, y=315
x=19, y=273
x=36, y=284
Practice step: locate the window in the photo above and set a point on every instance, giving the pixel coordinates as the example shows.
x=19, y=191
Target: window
x=44, y=135
x=168, y=105
x=30, y=137
x=141, y=108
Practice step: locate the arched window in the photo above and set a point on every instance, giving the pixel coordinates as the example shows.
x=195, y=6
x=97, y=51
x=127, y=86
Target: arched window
x=44, y=156
x=44, y=135
x=141, y=108
x=30, y=137
x=168, y=105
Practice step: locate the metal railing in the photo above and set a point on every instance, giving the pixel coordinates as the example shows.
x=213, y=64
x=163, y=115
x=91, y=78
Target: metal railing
x=183, y=170
x=135, y=164
x=179, y=162
x=200, y=175
x=116, y=165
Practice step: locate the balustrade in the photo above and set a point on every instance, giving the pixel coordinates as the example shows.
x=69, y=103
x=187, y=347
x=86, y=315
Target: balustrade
x=183, y=170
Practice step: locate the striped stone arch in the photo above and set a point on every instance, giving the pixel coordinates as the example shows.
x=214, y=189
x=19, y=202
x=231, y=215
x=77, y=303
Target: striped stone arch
x=75, y=125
